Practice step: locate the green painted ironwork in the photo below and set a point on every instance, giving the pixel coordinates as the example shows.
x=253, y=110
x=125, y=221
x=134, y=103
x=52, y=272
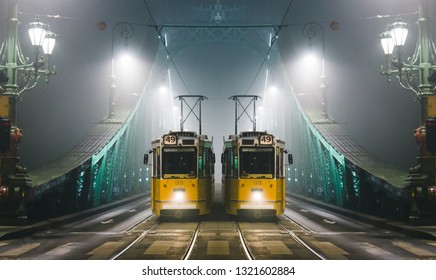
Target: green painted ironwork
x=329, y=172
x=107, y=166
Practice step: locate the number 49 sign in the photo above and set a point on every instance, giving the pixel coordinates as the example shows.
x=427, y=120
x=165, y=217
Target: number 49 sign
x=266, y=139
x=170, y=140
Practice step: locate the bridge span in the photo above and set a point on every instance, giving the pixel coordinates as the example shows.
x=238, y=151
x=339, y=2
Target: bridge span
x=329, y=166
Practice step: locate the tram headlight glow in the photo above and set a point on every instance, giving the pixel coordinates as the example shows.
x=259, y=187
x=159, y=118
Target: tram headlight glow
x=179, y=194
x=257, y=194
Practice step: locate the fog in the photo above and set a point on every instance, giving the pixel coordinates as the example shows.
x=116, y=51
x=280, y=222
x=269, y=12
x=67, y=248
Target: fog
x=379, y=116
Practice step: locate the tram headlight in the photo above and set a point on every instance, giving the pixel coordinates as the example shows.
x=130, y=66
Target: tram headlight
x=257, y=194
x=179, y=194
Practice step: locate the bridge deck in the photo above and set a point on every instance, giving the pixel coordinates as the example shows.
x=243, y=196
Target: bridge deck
x=96, y=140
x=343, y=143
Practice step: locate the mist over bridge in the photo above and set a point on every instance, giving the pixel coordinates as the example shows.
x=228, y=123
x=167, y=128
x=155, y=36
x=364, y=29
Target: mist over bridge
x=329, y=164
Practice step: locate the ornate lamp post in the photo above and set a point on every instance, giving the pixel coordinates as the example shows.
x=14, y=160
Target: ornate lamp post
x=17, y=75
x=310, y=30
x=124, y=30
x=416, y=74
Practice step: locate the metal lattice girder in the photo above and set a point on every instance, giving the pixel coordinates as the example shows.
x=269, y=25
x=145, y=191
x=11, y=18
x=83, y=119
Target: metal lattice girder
x=87, y=175
x=324, y=163
x=352, y=185
x=105, y=169
x=96, y=171
x=338, y=165
x=179, y=38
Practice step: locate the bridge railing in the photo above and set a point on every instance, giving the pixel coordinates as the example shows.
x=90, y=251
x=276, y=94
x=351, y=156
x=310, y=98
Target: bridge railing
x=330, y=166
x=106, y=166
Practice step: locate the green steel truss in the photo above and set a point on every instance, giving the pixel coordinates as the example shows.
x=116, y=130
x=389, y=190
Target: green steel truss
x=106, y=167
x=329, y=166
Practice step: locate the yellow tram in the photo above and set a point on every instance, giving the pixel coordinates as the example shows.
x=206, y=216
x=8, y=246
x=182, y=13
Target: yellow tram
x=182, y=175
x=253, y=168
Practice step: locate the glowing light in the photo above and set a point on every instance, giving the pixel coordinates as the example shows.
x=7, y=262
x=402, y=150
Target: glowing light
x=3, y=192
x=273, y=89
x=310, y=60
x=127, y=68
x=37, y=31
x=432, y=192
x=179, y=195
x=256, y=195
x=126, y=60
x=398, y=32
x=387, y=43
x=49, y=42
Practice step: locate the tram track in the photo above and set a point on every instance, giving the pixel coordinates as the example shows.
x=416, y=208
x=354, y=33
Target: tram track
x=190, y=248
x=244, y=244
x=217, y=237
x=217, y=240
x=134, y=242
x=298, y=239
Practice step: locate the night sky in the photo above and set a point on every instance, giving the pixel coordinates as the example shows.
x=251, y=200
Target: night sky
x=379, y=116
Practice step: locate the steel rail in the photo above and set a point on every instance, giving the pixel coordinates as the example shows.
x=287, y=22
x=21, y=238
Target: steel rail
x=244, y=244
x=188, y=252
x=134, y=242
x=299, y=240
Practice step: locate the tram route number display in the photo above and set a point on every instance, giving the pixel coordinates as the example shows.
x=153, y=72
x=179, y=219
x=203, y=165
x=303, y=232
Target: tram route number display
x=170, y=140
x=266, y=140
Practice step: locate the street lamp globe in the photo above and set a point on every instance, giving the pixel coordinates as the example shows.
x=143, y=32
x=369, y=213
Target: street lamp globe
x=398, y=31
x=37, y=32
x=49, y=42
x=387, y=42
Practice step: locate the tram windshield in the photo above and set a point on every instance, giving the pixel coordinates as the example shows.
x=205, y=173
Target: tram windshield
x=179, y=162
x=257, y=162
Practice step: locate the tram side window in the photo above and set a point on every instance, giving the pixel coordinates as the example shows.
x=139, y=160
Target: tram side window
x=201, y=163
x=227, y=168
x=279, y=164
x=207, y=162
x=223, y=163
x=212, y=163
x=235, y=164
x=156, y=163
x=153, y=174
x=204, y=163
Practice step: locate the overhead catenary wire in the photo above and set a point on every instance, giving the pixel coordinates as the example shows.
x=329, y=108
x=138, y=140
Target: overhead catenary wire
x=156, y=27
x=161, y=37
x=273, y=40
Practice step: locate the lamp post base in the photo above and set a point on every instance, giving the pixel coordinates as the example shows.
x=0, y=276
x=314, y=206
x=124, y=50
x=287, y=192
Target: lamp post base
x=14, y=188
x=420, y=193
x=14, y=183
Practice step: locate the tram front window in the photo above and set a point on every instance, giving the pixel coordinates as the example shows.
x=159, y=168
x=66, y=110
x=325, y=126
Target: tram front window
x=179, y=162
x=257, y=162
